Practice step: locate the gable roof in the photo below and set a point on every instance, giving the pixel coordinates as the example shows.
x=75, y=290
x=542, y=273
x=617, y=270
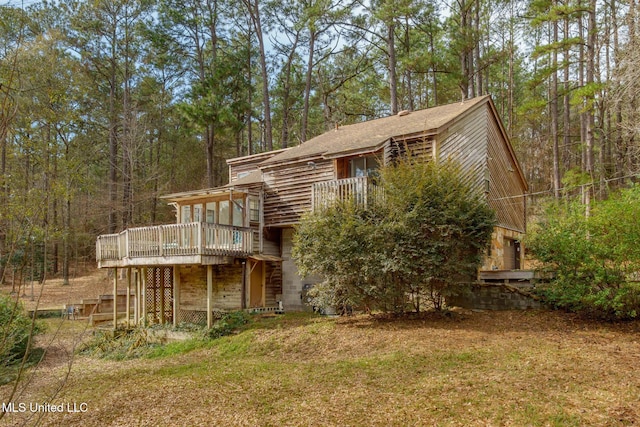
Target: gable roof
x=371, y=135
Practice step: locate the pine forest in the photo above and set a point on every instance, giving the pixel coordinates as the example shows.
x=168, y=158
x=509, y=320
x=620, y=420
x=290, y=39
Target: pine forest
x=106, y=105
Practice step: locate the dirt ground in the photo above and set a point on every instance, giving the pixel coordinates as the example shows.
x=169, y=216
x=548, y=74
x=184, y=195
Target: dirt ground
x=52, y=294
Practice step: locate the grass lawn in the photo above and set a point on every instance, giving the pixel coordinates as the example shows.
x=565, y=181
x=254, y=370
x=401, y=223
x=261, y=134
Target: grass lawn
x=532, y=368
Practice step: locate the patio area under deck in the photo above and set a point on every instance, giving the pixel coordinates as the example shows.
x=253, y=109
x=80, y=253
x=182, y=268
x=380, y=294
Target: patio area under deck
x=174, y=244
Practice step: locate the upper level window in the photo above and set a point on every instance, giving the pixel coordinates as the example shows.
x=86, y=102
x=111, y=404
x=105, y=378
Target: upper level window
x=221, y=211
x=254, y=209
x=363, y=166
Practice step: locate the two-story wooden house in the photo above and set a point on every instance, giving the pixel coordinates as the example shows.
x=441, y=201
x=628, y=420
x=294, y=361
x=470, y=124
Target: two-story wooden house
x=231, y=246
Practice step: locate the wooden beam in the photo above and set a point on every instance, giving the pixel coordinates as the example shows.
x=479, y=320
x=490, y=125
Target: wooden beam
x=115, y=298
x=128, y=298
x=176, y=293
x=246, y=278
x=144, y=296
x=209, y=296
x=136, y=309
x=264, y=283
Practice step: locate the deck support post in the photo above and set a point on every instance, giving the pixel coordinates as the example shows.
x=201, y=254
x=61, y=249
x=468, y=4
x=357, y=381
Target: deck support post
x=136, y=306
x=264, y=283
x=115, y=298
x=209, y=296
x=176, y=293
x=128, y=299
x=144, y=296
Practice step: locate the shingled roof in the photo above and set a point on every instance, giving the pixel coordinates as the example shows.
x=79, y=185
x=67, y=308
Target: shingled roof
x=370, y=135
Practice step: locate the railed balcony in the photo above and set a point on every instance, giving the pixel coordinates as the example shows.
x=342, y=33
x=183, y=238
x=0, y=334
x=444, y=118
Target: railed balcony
x=360, y=190
x=192, y=243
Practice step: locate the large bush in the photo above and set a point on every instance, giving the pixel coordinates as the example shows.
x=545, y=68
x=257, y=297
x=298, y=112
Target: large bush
x=426, y=235
x=15, y=329
x=595, y=259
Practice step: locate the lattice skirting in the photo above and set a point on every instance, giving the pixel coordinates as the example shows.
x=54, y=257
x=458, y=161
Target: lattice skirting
x=197, y=317
x=159, y=295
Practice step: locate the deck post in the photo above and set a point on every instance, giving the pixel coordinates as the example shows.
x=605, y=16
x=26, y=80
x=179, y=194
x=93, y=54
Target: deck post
x=264, y=283
x=209, y=296
x=160, y=241
x=128, y=298
x=144, y=296
x=261, y=218
x=176, y=293
x=115, y=298
x=136, y=306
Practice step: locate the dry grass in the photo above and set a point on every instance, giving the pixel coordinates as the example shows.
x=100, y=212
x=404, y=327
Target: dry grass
x=52, y=294
x=469, y=369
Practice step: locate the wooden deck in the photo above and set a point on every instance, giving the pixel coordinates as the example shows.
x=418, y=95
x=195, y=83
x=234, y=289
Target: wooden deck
x=192, y=243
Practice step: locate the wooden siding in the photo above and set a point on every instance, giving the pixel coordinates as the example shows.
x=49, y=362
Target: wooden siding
x=466, y=142
x=248, y=163
x=506, y=190
x=478, y=144
x=288, y=190
x=241, y=169
x=421, y=147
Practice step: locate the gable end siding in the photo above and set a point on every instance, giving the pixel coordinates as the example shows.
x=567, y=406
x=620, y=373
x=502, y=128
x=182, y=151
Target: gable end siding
x=478, y=144
x=288, y=190
x=506, y=190
x=466, y=142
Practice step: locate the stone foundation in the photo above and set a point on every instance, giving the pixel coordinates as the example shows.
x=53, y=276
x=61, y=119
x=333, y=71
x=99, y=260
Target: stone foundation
x=499, y=290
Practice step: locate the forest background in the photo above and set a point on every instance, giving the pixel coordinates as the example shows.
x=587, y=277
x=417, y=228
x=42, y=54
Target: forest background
x=107, y=104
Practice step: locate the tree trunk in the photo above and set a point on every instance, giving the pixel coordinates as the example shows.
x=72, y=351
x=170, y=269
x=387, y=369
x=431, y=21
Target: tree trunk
x=407, y=73
x=254, y=13
x=393, y=79
x=566, y=99
x=553, y=107
x=286, y=107
x=307, y=86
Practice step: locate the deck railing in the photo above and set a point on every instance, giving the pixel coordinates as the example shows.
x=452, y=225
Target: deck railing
x=360, y=190
x=196, y=238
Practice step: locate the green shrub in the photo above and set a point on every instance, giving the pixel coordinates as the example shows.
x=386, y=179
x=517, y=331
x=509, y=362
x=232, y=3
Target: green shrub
x=403, y=252
x=15, y=329
x=594, y=259
x=228, y=324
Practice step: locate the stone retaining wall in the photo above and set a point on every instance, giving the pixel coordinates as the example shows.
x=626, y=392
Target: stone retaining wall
x=494, y=296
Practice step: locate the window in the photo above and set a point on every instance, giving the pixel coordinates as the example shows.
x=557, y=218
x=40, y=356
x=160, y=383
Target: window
x=363, y=166
x=254, y=209
x=211, y=212
x=185, y=214
x=224, y=213
x=197, y=213
x=238, y=211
